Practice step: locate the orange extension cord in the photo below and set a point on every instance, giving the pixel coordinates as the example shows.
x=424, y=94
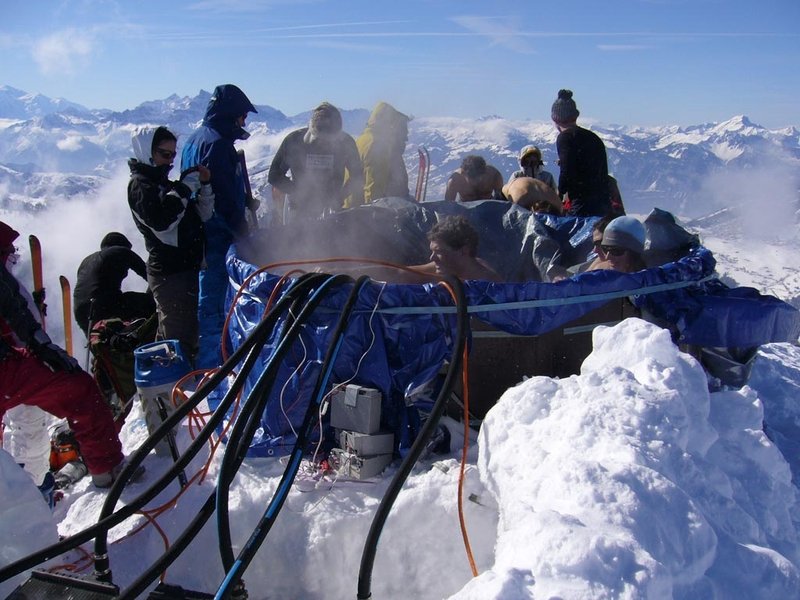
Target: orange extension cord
x=198, y=419
x=465, y=370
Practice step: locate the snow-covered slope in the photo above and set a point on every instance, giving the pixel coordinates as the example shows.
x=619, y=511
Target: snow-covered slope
x=627, y=481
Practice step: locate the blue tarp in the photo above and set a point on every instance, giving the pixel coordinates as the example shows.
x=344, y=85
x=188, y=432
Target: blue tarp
x=400, y=334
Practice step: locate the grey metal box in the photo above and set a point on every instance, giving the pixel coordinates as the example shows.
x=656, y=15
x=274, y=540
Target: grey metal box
x=356, y=408
x=358, y=467
x=365, y=444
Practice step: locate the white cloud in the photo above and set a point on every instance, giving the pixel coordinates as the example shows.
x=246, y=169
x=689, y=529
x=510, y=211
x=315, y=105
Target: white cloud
x=70, y=144
x=63, y=52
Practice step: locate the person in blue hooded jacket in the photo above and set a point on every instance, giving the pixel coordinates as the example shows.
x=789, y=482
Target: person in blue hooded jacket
x=212, y=145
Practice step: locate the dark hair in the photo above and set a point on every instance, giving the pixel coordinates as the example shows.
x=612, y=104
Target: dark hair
x=473, y=166
x=160, y=135
x=115, y=238
x=456, y=233
x=601, y=223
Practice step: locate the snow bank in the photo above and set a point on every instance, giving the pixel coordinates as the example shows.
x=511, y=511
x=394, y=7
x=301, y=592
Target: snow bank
x=631, y=481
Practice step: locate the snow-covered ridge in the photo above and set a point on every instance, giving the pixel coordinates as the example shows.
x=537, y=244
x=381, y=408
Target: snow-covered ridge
x=664, y=166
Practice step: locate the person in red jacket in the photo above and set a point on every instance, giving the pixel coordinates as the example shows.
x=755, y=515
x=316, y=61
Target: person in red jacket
x=36, y=372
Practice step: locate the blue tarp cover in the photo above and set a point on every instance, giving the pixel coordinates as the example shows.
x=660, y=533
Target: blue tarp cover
x=400, y=335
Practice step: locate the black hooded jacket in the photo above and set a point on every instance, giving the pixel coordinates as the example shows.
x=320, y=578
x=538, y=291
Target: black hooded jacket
x=171, y=226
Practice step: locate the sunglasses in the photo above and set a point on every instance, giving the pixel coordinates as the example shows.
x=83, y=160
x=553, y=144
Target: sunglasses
x=166, y=154
x=613, y=250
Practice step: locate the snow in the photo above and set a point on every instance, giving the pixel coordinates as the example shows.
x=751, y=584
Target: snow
x=629, y=480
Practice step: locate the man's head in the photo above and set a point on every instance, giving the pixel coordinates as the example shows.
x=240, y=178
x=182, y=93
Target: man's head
x=598, y=229
x=623, y=243
x=115, y=238
x=7, y=238
x=473, y=166
x=325, y=123
x=452, y=240
x=564, y=112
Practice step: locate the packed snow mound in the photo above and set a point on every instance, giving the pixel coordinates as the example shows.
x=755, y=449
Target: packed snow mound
x=629, y=480
x=632, y=481
x=26, y=524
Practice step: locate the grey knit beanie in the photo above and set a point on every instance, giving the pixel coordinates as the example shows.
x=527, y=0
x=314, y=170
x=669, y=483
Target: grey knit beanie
x=625, y=232
x=564, y=109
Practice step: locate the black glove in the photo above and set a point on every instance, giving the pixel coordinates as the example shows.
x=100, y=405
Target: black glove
x=38, y=300
x=183, y=190
x=55, y=358
x=124, y=342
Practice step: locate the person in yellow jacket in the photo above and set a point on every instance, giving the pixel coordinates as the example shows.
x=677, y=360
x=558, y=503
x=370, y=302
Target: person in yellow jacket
x=381, y=148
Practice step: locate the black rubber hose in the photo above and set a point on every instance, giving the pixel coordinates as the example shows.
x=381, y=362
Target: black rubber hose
x=247, y=424
x=371, y=543
x=180, y=544
x=255, y=341
x=205, y=512
x=235, y=573
x=103, y=525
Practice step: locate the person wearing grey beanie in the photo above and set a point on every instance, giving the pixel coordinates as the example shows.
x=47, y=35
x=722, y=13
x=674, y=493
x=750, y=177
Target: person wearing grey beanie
x=622, y=246
x=583, y=180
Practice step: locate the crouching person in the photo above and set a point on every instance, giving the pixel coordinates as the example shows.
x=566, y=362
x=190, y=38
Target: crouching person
x=36, y=372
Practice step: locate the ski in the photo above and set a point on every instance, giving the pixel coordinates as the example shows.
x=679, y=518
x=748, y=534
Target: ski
x=248, y=191
x=38, y=280
x=423, y=172
x=66, y=304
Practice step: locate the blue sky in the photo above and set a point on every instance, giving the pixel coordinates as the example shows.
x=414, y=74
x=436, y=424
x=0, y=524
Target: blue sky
x=633, y=62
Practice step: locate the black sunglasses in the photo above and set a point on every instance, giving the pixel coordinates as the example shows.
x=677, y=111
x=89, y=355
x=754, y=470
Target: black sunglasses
x=166, y=154
x=613, y=250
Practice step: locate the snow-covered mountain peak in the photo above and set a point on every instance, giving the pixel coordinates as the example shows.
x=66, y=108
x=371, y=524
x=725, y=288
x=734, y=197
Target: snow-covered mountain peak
x=740, y=124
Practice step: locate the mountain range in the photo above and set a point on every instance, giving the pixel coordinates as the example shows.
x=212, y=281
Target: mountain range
x=732, y=180
x=52, y=148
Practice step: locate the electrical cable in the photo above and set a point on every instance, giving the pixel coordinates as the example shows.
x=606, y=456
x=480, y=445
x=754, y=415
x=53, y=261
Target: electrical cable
x=145, y=579
x=102, y=569
x=249, y=421
x=257, y=336
x=385, y=506
x=234, y=574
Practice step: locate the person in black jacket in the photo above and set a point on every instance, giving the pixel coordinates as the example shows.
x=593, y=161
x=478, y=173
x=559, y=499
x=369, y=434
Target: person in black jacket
x=583, y=180
x=170, y=216
x=98, y=291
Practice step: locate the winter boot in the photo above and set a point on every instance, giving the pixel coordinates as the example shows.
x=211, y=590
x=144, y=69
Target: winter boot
x=107, y=479
x=70, y=473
